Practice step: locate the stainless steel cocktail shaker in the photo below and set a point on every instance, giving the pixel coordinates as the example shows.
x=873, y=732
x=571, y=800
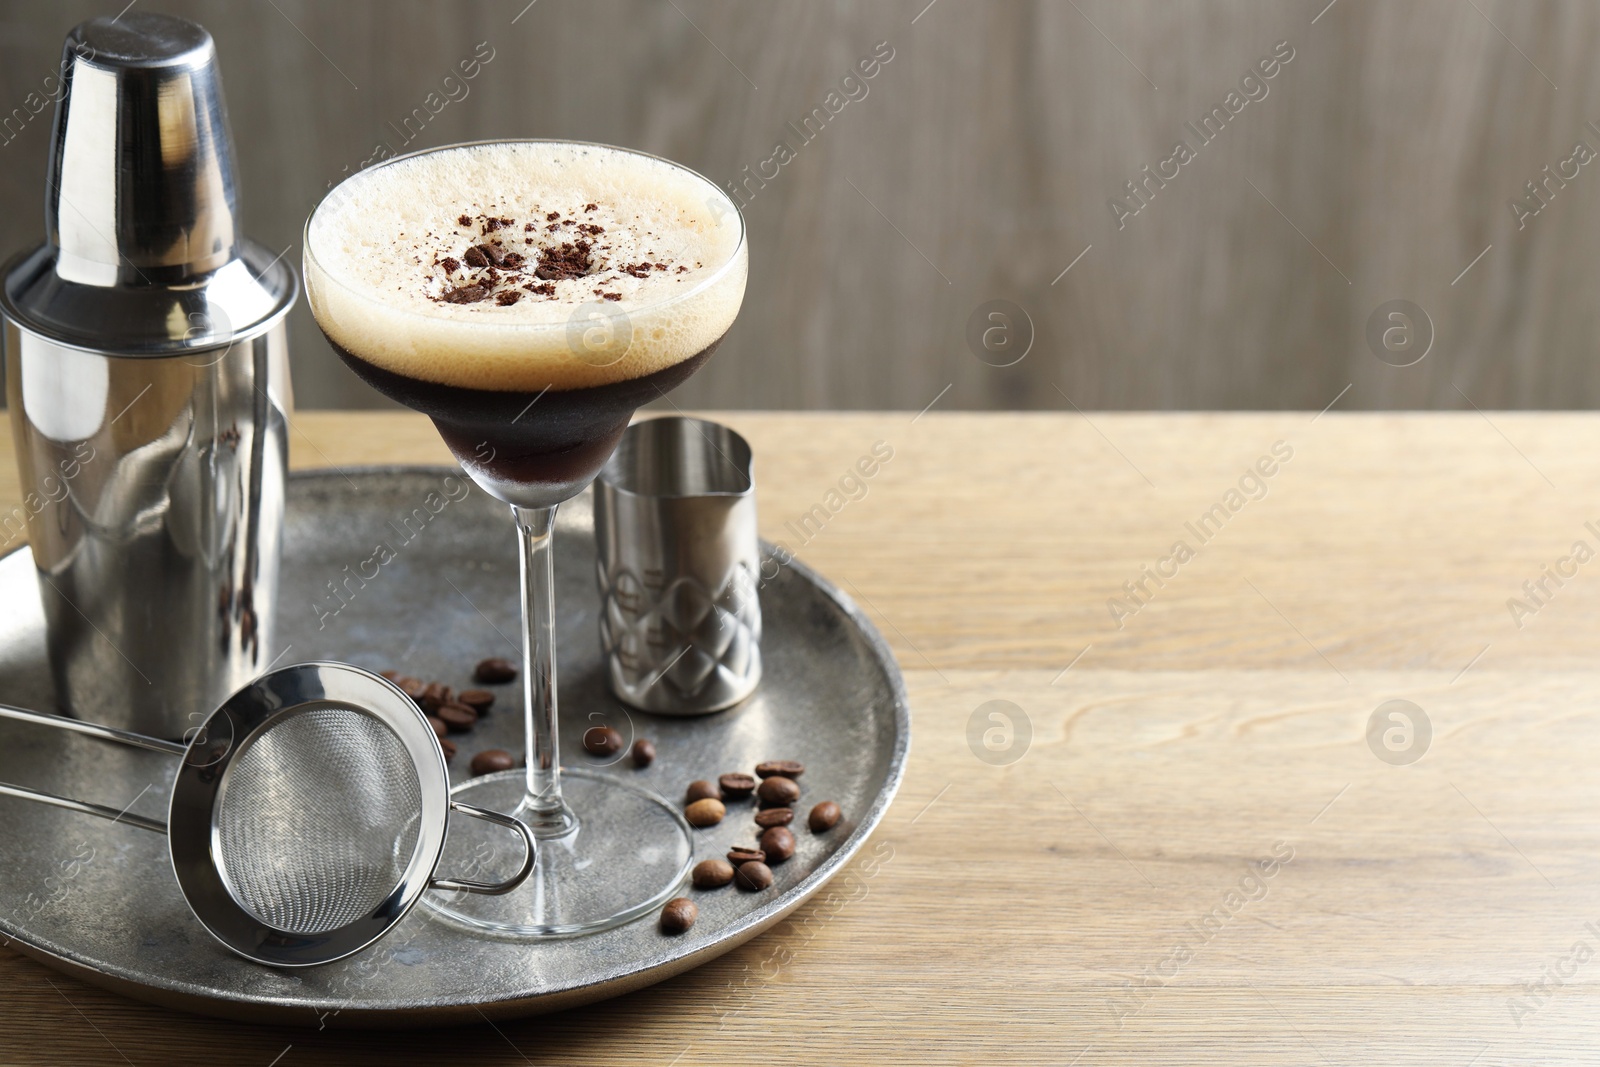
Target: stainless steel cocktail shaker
x=147, y=377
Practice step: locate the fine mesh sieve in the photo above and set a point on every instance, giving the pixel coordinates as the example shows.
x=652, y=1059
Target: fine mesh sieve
x=310, y=867
x=308, y=814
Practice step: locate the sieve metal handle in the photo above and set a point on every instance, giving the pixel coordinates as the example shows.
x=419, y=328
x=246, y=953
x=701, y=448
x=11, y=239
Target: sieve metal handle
x=493, y=888
x=55, y=800
x=103, y=733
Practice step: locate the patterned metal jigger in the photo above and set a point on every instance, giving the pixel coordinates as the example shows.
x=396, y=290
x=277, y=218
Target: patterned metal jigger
x=678, y=566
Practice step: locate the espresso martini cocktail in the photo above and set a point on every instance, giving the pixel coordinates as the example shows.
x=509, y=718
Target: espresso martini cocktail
x=528, y=297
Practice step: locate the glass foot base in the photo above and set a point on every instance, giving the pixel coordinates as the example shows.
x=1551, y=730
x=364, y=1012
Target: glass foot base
x=628, y=854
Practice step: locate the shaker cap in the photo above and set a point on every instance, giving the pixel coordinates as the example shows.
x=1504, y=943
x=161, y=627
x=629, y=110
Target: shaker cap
x=140, y=203
x=141, y=165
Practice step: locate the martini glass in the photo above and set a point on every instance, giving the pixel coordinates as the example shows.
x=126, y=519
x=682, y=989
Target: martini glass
x=533, y=437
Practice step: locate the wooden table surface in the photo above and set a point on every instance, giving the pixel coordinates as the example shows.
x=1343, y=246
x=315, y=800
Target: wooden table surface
x=1184, y=849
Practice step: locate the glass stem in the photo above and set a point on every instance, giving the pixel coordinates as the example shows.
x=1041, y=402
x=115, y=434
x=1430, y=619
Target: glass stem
x=545, y=812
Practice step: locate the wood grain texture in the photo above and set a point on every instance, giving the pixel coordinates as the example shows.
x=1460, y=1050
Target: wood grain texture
x=1074, y=902
x=979, y=165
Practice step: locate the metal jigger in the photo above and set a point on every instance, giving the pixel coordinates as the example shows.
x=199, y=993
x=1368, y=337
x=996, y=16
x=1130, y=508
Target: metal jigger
x=147, y=374
x=678, y=558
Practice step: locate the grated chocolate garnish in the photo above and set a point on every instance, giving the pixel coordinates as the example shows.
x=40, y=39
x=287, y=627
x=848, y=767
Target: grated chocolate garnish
x=491, y=269
x=568, y=261
x=465, y=294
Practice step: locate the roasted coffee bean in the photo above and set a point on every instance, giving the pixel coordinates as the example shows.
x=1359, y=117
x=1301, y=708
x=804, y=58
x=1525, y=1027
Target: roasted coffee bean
x=449, y=747
x=644, y=753
x=700, y=789
x=753, y=876
x=602, y=741
x=768, y=817
x=778, y=792
x=778, y=844
x=439, y=728
x=492, y=759
x=479, y=700
x=742, y=854
x=788, y=768
x=411, y=687
x=737, y=786
x=824, y=817
x=389, y=675
x=435, y=696
x=495, y=671
x=458, y=717
x=705, y=812
x=679, y=914
x=711, y=874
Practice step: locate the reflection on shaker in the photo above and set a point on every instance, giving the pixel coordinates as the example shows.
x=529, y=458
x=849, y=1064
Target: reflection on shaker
x=63, y=390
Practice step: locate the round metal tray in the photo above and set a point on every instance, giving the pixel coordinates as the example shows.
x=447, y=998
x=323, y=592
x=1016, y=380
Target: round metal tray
x=99, y=900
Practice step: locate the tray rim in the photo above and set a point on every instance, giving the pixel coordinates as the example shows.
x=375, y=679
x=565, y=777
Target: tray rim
x=255, y=1008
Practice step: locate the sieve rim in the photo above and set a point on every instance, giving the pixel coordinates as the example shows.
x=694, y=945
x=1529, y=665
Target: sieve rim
x=200, y=787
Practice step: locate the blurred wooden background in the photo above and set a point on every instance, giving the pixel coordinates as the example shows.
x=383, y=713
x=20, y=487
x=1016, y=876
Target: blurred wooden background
x=978, y=166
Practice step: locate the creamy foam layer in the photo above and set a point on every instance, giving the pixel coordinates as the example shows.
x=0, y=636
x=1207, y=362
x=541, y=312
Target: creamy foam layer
x=525, y=265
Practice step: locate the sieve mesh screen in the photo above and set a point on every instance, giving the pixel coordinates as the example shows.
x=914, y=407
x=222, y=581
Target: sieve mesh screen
x=318, y=820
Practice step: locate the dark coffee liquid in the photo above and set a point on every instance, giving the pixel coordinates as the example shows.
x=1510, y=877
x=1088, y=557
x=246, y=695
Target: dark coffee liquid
x=559, y=437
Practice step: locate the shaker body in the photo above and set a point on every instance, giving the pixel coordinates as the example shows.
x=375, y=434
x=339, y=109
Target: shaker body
x=153, y=496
